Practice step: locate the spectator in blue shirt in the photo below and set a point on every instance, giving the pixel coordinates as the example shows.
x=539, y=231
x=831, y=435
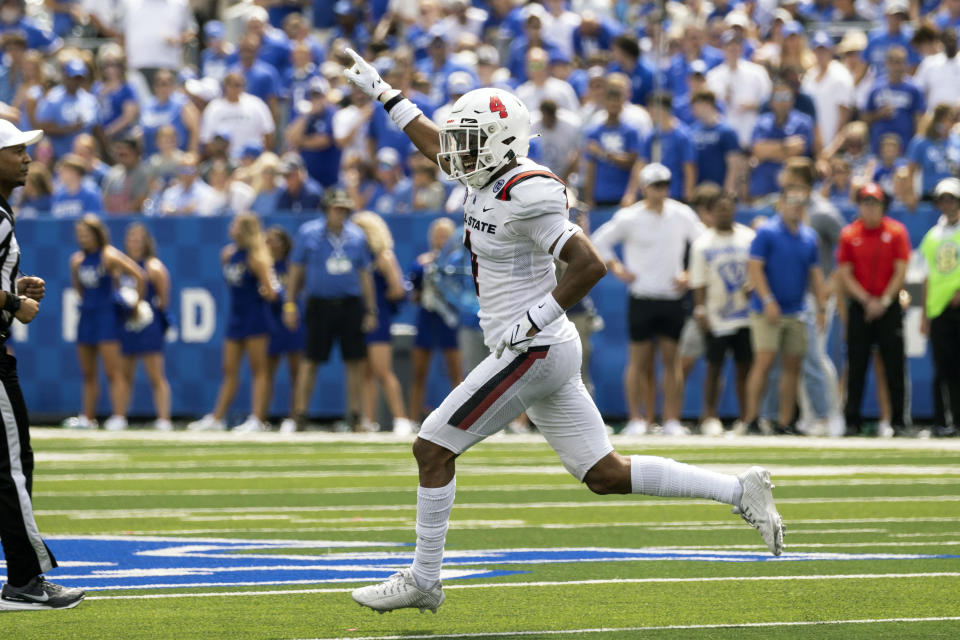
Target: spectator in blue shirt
x=693, y=48
x=394, y=193
x=532, y=38
x=298, y=77
x=626, y=59
x=595, y=34
x=301, y=193
x=781, y=134
x=119, y=108
x=784, y=262
x=74, y=196
x=67, y=109
x=330, y=264
x=948, y=17
x=13, y=44
x=927, y=152
x=612, y=148
x=262, y=79
x=275, y=46
x=36, y=193
x=895, y=34
x=890, y=159
x=895, y=103
x=719, y=158
x=437, y=67
x=349, y=25
x=669, y=144
x=218, y=53
x=311, y=135
x=13, y=19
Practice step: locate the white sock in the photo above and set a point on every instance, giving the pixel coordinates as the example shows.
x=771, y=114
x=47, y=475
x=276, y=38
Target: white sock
x=433, y=516
x=655, y=476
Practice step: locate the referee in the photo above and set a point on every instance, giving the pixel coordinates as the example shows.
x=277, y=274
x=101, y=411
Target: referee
x=26, y=554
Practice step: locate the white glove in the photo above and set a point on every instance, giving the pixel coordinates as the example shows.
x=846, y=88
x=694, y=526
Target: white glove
x=365, y=77
x=515, y=337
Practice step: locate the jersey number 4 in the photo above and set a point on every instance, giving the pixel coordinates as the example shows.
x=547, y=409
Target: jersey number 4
x=496, y=105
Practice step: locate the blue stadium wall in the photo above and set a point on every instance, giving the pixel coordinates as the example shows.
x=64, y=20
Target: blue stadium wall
x=50, y=375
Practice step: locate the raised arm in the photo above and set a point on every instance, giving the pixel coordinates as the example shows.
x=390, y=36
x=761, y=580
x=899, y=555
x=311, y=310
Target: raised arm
x=424, y=134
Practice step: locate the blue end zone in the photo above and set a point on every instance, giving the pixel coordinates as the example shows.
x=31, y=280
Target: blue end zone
x=116, y=562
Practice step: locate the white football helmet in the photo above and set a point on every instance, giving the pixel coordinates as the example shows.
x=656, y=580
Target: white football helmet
x=486, y=129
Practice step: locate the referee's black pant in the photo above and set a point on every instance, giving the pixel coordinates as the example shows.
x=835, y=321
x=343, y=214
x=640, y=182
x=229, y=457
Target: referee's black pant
x=886, y=332
x=945, y=344
x=25, y=552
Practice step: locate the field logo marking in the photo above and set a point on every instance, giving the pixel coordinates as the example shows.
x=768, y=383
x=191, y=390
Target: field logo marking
x=133, y=562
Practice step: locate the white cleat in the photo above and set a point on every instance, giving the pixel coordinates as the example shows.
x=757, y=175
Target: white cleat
x=400, y=591
x=674, y=428
x=79, y=422
x=115, y=423
x=250, y=425
x=711, y=427
x=635, y=427
x=162, y=424
x=288, y=426
x=207, y=423
x=404, y=427
x=758, y=509
x=884, y=430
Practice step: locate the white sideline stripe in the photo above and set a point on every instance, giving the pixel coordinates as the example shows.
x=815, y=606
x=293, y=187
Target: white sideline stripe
x=408, y=470
x=676, y=627
x=93, y=514
x=556, y=583
x=185, y=438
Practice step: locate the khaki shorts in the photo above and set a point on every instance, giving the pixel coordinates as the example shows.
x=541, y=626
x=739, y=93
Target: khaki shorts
x=787, y=336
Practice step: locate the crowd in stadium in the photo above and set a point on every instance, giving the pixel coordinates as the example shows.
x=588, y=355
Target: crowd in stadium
x=176, y=108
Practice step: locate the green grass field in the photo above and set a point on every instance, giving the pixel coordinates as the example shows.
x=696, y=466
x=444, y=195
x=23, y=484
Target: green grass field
x=872, y=545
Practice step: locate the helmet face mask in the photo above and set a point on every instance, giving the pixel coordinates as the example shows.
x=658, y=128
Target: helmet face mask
x=486, y=129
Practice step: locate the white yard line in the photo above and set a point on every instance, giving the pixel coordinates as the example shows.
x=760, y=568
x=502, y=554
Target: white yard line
x=672, y=627
x=557, y=583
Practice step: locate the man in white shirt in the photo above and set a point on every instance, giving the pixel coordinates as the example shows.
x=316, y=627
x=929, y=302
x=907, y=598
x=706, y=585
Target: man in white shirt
x=654, y=233
x=154, y=32
x=718, y=277
x=938, y=76
x=830, y=84
x=740, y=84
x=189, y=194
x=244, y=117
x=541, y=85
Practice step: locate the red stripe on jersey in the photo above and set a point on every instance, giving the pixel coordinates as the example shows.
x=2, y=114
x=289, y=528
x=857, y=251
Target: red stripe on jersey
x=520, y=177
x=490, y=392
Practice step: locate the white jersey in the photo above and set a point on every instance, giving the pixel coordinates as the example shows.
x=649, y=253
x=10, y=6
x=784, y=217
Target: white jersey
x=509, y=229
x=718, y=262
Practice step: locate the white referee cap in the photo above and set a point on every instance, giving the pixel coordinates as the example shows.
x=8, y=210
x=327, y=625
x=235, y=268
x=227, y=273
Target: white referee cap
x=654, y=173
x=10, y=136
x=947, y=187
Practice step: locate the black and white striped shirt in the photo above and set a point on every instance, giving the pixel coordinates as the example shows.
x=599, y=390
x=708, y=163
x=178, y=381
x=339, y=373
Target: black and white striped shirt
x=9, y=263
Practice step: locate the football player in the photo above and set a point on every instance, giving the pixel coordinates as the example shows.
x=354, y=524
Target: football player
x=515, y=224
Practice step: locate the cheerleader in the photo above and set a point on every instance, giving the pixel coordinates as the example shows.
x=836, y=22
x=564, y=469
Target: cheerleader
x=93, y=271
x=144, y=341
x=283, y=341
x=248, y=270
x=388, y=284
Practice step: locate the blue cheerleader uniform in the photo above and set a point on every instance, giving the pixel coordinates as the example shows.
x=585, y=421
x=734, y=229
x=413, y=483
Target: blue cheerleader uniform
x=282, y=340
x=433, y=332
x=386, y=309
x=150, y=338
x=249, y=311
x=99, y=316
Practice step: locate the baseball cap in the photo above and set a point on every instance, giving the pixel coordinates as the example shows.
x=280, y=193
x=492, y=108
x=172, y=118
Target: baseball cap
x=791, y=28
x=947, y=187
x=855, y=40
x=318, y=84
x=821, y=39
x=11, y=136
x=871, y=190
x=737, y=19
x=897, y=6
x=559, y=56
x=342, y=8
x=389, y=157
x=252, y=148
x=337, y=197
x=654, y=173
x=459, y=83
x=290, y=162
x=697, y=67
x=74, y=68
x=213, y=30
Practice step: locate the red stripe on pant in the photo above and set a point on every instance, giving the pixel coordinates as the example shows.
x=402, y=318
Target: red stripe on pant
x=529, y=358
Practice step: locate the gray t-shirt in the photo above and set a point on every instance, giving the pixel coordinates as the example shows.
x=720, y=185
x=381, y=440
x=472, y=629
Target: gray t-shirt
x=826, y=220
x=123, y=190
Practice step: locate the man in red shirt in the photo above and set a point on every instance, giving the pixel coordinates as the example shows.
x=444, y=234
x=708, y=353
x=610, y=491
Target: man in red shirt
x=872, y=260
